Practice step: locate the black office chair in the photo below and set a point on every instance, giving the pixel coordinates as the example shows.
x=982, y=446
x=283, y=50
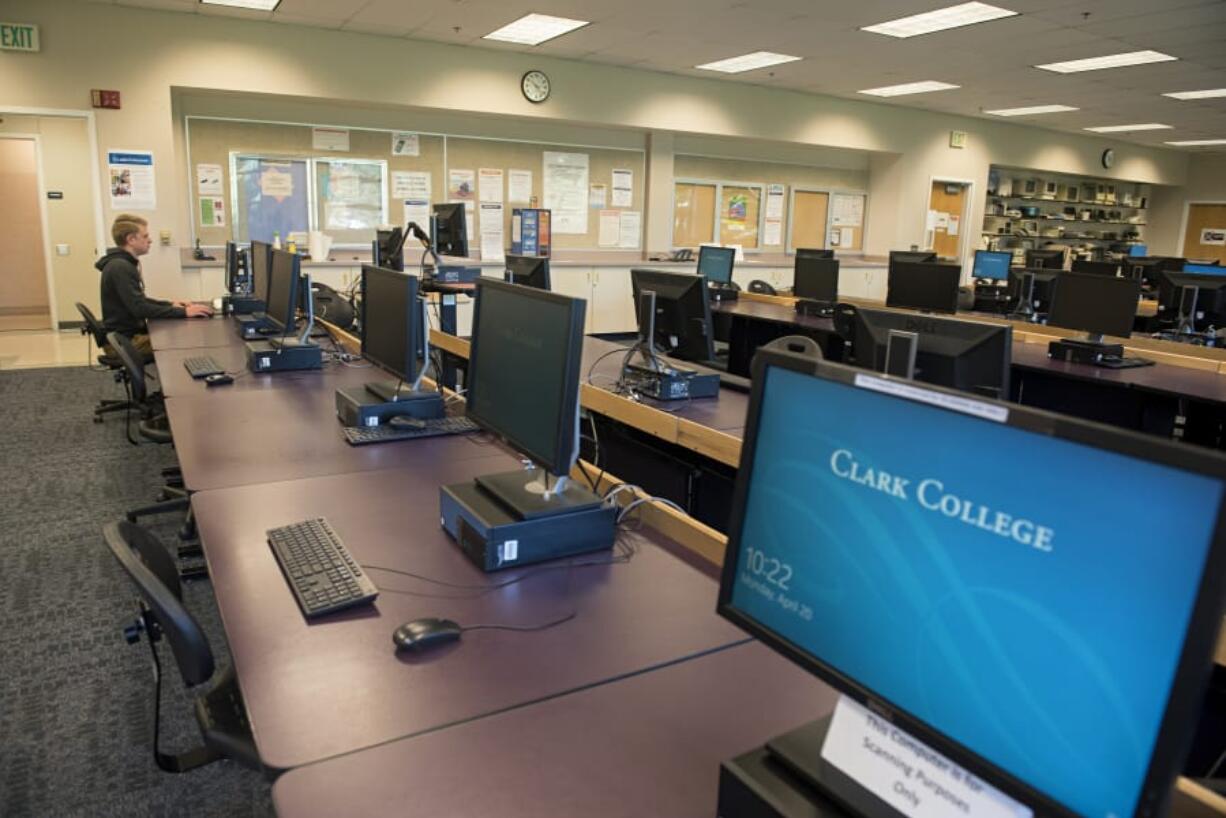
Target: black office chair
x=97, y=335
x=761, y=287
x=220, y=713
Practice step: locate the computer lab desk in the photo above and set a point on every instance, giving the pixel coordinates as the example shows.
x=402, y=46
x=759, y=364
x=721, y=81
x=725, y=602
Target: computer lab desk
x=646, y=745
x=193, y=333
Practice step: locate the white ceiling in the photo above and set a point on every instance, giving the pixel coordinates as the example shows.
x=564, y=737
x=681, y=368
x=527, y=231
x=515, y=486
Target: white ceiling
x=993, y=62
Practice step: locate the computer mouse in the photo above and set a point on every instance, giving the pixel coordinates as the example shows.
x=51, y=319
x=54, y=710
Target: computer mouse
x=217, y=379
x=427, y=632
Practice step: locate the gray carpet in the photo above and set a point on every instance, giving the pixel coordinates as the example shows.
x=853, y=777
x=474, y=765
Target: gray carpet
x=76, y=710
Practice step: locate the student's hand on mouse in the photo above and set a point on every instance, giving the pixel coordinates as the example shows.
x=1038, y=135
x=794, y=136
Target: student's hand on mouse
x=182, y=304
x=198, y=311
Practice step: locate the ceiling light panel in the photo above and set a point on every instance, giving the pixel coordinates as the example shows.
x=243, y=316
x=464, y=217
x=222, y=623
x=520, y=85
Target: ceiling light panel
x=923, y=87
x=1033, y=109
x=1211, y=93
x=258, y=5
x=747, y=62
x=1144, y=126
x=964, y=14
x=1108, y=61
x=534, y=29
x=1198, y=143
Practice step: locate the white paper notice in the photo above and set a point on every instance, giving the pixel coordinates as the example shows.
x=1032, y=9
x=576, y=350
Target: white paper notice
x=847, y=210
x=276, y=179
x=632, y=225
x=461, y=184
x=905, y=773
x=493, y=248
x=774, y=204
x=566, y=191
x=598, y=197
x=835, y=237
x=330, y=139
x=411, y=184
x=489, y=184
x=772, y=231
x=954, y=222
x=846, y=236
x=610, y=228
x=133, y=185
x=1213, y=236
x=418, y=212
x=623, y=187
x=208, y=180
x=405, y=144
x=519, y=186
x=212, y=212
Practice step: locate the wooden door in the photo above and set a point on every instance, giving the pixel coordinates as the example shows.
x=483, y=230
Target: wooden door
x=23, y=265
x=693, y=214
x=809, y=219
x=1205, y=237
x=946, y=207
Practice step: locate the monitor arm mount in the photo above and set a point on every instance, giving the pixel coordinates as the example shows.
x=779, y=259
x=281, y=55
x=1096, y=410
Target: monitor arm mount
x=426, y=240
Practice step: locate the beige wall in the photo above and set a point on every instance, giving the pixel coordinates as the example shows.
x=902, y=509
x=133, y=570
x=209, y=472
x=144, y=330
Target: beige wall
x=1206, y=183
x=382, y=78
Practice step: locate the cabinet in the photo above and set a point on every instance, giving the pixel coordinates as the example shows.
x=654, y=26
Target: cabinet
x=608, y=292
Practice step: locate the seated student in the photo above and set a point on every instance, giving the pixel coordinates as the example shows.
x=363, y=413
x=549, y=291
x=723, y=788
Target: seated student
x=125, y=307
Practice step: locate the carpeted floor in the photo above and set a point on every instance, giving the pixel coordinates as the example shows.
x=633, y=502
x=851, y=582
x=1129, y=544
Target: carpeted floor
x=75, y=699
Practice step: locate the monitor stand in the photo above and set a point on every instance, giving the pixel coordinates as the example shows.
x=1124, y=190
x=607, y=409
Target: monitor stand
x=534, y=493
x=400, y=392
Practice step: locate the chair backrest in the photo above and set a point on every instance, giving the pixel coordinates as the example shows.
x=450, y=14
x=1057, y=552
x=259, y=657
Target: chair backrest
x=153, y=572
x=131, y=364
x=761, y=287
x=93, y=325
x=798, y=344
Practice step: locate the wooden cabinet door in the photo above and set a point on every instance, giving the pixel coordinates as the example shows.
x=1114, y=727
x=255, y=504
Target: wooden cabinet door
x=1205, y=221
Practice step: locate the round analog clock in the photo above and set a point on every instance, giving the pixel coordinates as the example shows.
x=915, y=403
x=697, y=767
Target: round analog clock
x=535, y=86
x=1108, y=158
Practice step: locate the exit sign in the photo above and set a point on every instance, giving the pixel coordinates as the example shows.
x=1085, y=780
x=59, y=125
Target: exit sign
x=104, y=99
x=18, y=37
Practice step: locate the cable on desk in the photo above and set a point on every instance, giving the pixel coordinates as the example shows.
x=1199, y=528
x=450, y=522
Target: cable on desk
x=522, y=628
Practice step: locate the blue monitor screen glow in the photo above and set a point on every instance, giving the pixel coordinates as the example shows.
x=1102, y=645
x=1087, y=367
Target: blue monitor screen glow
x=715, y=264
x=1205, y=269
x=1138, y=250
x=967, y=585
x=993, y=265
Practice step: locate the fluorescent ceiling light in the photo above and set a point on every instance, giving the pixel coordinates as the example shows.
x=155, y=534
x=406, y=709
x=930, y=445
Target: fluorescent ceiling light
x=258, y=5
x=1211, y=93
x=747, y=62
x=965, y=14
x=1109, y=61
x=1033, y=109
x=1196, y=143
x=909, y=88
x=534, y=29
x=1144, y=126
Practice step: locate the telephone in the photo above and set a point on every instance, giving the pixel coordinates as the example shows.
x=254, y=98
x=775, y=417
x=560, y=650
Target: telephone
x=684, y=254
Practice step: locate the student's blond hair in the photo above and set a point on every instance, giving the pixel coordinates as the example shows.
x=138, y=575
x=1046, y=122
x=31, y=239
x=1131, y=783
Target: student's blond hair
x=125, y=225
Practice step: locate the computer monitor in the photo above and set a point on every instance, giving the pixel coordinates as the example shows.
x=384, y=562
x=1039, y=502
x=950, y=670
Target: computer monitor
x=389, y=248
x=915, y=554
x=813, y=252
x=1098, y=268
x=683, y=312
x=929, y=256
x=972, y=356
x=531, y=271
x=816, y=278
x=1097, y=304
x=1205, y=269
x=450, y=230
x=259, y=256
x=992, y=265
x=393, y=330
x=1030, y=291
x=1045, y=259
x=1191, y=302
x=283, y=288
x=1138, y=250
x=715, y=264
x=236, y=274
x=923, y=286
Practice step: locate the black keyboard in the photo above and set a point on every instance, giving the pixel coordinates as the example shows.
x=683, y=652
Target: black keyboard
x=322, y=574
x=202, y=366
x=409, y=430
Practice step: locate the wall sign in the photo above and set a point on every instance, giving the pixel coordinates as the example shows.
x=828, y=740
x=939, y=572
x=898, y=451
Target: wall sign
x=18, y=37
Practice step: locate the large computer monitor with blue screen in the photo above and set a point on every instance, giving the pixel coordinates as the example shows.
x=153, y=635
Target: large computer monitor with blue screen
x=1205, y=269
x=991, y=265
x=913, y=551
x=715, y=264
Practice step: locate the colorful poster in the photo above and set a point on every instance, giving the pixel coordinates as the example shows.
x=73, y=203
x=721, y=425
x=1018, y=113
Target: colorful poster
x=738, y=205
x=461, y=185
x=598, y=196
x=212, y=212
x=132, y=180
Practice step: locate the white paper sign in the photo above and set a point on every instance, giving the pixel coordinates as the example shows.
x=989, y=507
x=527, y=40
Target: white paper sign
x=1215, y=236
x=847, y=210
x=417, y=211
x=411, y=184
x=489, y=184
x=598, y=197
x=330, y=139
x=276, y=179
x=954, y=222
x=133, y=184
x=632, y=225
x=519, y=186
x=493, y=248
x=847, y=236
x=610, y=228
x=566, y=191
x=623, y=187
x=905, y=773
x=774, y=204
x=772, y=231
x=405, y=144
x=208, y=180
x=834, y=238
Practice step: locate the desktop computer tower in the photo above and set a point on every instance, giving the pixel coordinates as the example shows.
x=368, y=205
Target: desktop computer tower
x=251, y=327
x=241, y=305
x=264, y=356
x=356, y=406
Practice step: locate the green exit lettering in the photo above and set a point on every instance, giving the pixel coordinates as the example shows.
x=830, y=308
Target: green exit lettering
x=18, y=37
